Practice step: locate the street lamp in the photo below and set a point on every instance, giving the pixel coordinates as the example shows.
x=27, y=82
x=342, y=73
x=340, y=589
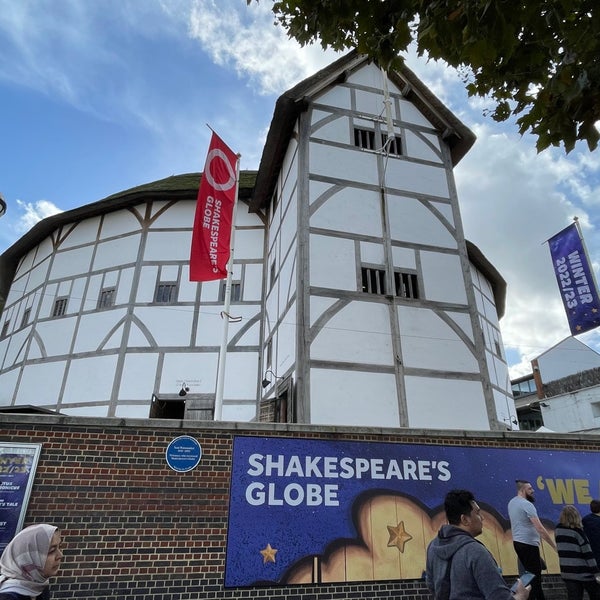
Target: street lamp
x=2, y=205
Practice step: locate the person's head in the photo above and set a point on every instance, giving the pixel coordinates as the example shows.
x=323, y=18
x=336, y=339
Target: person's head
x=570, y=517
x=595, y=506
x=463, y=511
x=31, y=557
x=525, y=490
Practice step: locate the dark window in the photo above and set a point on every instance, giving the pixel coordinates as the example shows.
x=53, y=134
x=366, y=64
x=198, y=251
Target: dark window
x=269, y=358
x=364, y=138
x=166, y=293
x=373, y=280
x=236, y=292
x=26, y=316
x=272, y=283
x=406, y=285
x=498, y=349
x=60, y=307
x=107, y=298
x=394, y=145
x=5, y=328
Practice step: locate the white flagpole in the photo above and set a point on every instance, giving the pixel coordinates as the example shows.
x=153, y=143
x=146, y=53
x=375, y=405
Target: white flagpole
x=225, y=313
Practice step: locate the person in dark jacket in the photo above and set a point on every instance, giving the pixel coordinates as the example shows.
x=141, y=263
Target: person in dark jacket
x=458, y=566
x=578, y=567
x=591, y=526
x=28, y=561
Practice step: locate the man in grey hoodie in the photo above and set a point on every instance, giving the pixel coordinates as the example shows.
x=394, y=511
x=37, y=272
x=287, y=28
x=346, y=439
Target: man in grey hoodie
x=458, y=566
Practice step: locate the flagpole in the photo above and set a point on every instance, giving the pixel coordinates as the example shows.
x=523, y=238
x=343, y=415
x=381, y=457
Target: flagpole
x=218, y=414
x=585, y=251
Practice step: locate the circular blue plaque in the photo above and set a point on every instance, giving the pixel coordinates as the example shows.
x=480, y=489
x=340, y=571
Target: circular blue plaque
x=183, y=453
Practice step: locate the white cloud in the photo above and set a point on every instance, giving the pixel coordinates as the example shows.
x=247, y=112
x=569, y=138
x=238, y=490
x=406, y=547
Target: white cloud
x=249, y=42
x=33, y=212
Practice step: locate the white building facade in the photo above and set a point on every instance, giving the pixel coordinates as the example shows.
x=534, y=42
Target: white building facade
x=361, y=301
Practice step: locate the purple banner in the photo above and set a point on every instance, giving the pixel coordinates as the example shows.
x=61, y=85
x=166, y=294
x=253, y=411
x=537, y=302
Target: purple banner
x=575, y=280
x=18, y=463
x=310, y=511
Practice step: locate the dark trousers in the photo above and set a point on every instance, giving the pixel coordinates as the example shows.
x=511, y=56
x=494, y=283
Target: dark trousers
x=531, y=560
x=575, y=589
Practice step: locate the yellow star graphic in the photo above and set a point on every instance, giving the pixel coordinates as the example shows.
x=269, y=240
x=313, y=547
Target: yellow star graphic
x=398, y=536
x=268, y=554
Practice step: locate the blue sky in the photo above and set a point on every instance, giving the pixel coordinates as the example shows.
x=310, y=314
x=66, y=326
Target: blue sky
x=97, y=96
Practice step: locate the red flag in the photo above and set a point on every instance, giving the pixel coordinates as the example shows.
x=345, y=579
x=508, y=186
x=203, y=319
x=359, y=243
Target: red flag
x=211, y=237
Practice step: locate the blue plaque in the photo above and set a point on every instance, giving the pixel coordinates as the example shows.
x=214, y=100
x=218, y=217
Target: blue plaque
x=183, y=453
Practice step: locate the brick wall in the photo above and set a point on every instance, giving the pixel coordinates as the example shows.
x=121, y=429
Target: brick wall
x=135, y=528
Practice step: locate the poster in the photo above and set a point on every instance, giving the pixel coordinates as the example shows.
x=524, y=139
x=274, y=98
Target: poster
x=305, y=511
x=18, y=463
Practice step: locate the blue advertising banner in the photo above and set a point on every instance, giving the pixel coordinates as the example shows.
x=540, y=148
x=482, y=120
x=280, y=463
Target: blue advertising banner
x=18, y=463
x=305, y=511
x=575, y=280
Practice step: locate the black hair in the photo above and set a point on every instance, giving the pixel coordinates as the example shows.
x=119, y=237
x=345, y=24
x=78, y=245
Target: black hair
x=595, y=506
x=458, y=503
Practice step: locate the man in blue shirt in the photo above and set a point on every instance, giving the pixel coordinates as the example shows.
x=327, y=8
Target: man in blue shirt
x=527, y=532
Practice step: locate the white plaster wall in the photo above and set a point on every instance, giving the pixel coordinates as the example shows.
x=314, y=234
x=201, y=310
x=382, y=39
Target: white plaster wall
x=336, y=130
x=371, y=253
x=147, y=284
x=239, y=412
x=429, y=343
x=15, y=347
x=404, y=258
x=84, y=232
x=198, y=370
x=350, y=210
x=353, y=398
x=132, y=411
x=72, y=262
x=445, y=404
x=568, y=357
x=284, y=348
x=505, y=409
x=358, y=333
x=372, y=103
x=416, y=147
x=57, y=335
x=125, y=285
x=165, y=245
x=137, y=379
x=90, y=379
x=341, y=163
x=187, y=289
x=443, y=277
x=169, y=325
x=179, y=214
x=94, y=327
x=332, y=263
x=92, y=411
x=318, y=306
x=337, y=96
x=9, y=381
x=249, y=243
x=572, y=412
x=253, y=282
x=286, y=282
x=118, y=223
x=417, y=178
x=411, y=114
x=411, y=221
x=241, y=373
x=30, y=391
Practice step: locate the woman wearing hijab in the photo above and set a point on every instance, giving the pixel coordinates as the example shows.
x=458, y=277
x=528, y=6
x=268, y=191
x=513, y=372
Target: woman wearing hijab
x=578, y=567
x=27, y=563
